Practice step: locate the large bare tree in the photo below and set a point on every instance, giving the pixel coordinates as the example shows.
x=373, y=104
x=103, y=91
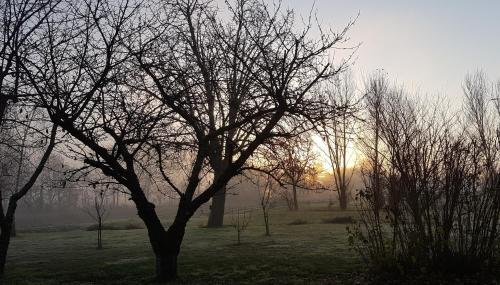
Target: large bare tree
x=186, y=90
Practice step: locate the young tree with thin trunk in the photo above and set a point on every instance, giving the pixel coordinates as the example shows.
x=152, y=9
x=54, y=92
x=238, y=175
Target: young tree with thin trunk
x=295, y=166
x=240, y=221
x=377, y=91
x=187, y=84
x=98, y=209
x=266, y=186
x=338, y=134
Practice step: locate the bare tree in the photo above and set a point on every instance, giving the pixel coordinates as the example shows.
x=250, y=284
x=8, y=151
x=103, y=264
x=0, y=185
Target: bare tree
x=7, y=214
x=98, y=210
x=291, y=163
x=440, y=176
x=338, y=134
x=376, y=92
x=19, y=20
x=266, y=185
x=240, y=221
x=21, y=148
x=295, y=162
x=168, y=88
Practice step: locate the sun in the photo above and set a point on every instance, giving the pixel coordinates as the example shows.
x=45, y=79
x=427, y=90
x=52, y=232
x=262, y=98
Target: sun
x=321, y=149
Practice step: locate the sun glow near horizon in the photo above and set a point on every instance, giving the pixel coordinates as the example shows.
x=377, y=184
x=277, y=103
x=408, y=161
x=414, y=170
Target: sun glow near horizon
x=321, y=148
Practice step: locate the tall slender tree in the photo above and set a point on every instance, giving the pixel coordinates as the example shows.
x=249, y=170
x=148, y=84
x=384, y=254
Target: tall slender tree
x=338, y=134
x=377, y=91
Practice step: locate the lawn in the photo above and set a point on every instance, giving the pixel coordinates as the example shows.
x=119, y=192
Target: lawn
x=296, y=253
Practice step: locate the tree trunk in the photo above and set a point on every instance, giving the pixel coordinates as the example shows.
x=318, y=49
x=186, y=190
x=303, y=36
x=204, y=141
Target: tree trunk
x=3, y=107
x=99, y=233
x=13, y=231
x=216, y=217
x=6, y=227
x=343, y=199
x=266, y=221
x=165, y=243
x=166, y=267
x=166, y=256
x=378, y=200
x=295, y=199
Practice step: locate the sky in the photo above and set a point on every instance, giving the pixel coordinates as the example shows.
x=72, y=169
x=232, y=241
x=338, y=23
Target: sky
x=427, y=46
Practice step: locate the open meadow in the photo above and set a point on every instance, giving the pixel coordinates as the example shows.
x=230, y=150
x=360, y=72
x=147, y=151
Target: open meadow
x=304, y=248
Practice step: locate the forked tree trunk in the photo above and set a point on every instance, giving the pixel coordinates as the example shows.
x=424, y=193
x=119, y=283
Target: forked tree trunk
x=165, y=243
x=216, y=217
x=166, y=257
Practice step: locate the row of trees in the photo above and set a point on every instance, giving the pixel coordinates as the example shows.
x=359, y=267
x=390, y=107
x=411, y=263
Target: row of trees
x=170, y=90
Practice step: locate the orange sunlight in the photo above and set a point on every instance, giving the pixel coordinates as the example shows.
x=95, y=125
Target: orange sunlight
x=321, y=148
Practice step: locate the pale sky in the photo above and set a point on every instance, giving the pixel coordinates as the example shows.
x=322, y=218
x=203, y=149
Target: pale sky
x=426, y=45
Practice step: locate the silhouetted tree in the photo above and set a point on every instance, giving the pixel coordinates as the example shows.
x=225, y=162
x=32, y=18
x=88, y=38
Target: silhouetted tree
x=376, y=93
x=440, y=175
x=295, y=166
x=266, y=185
x=7, y=214
x=240, y=221
x=338, y=134
x=131, y=92
x=98, y=209
x=19, y=20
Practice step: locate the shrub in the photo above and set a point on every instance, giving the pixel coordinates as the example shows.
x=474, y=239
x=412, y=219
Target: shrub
x=108, y=227
x=133, y=226
x=116, y=227
x=339, y=220
x=440, y=189
x=297, y=222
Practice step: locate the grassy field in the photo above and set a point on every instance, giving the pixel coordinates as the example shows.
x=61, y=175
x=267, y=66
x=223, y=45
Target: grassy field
x=312, y=253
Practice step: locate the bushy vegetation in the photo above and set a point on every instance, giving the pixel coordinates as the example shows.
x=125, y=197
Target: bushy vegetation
x=339, y=220
x=439, y=179
x=298, y=222
x=116, y=226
